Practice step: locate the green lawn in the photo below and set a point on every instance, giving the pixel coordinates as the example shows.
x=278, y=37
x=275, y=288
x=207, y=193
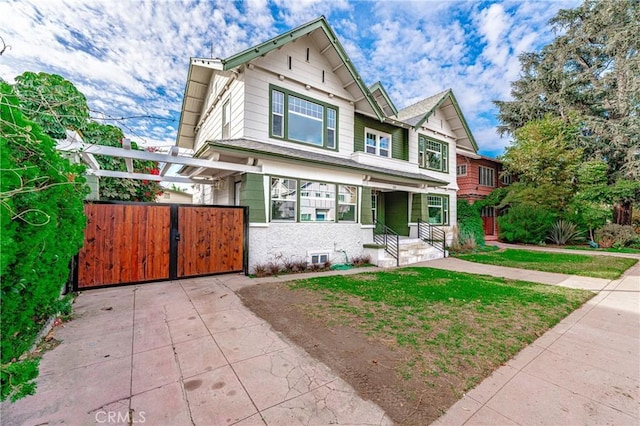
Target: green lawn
x=610, y=250
x=573, y=264
x=458, y=326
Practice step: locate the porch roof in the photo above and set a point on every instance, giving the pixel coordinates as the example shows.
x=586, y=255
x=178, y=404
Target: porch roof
x=258, y=150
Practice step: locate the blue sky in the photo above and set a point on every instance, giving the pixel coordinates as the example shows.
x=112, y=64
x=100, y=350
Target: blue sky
x=130, y=57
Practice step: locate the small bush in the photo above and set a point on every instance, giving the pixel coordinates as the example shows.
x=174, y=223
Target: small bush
x=563, y=232
x=363, y=260
x=260, y=270
x=274, y=268
x=614, y=235
x=525, y=224
x=470, y=221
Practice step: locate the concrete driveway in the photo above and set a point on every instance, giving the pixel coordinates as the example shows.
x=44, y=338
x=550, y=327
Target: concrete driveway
x=182, y=353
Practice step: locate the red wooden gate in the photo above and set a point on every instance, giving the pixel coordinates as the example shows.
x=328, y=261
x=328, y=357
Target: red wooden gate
x=127, y=243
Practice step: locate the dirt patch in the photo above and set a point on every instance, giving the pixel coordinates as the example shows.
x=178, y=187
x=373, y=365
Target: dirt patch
x=380, y=370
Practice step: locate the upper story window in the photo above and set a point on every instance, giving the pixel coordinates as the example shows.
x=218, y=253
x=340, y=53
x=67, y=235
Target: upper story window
x=226, y=119
x=300, y=119
x=486, y=176
x=461, y=170
x=377, y=143
x=432, y=154
x=505, y=178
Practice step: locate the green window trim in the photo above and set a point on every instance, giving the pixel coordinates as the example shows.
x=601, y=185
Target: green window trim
x=433, y=154
x=291, y=112
x=438, y=209
x=226, y=119
x=294, y=200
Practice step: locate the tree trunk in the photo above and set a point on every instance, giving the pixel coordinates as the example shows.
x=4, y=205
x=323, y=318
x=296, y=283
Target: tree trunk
x=622, y=213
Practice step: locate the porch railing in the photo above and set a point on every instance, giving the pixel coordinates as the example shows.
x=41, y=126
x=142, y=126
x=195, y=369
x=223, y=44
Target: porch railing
x=386, y=236
x=432, y=236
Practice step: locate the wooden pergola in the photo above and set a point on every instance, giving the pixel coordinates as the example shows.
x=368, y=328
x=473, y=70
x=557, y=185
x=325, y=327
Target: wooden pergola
x=87, y=152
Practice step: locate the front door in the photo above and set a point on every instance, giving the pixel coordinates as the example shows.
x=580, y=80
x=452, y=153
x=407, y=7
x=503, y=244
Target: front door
x=488, y=220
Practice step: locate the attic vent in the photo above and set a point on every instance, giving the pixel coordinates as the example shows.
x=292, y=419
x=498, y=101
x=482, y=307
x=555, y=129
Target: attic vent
x=323, y=76
x=307, y=54
x=289, y=60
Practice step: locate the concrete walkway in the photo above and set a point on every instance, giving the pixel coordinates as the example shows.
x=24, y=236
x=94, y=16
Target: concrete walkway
x=188, y=352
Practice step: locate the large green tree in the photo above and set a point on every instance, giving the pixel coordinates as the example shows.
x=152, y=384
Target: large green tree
x=588, y=75
x=56, y=104
x=544, y=157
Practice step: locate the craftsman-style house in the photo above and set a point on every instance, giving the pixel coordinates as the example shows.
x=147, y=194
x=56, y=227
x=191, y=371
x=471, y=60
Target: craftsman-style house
x=327, y=165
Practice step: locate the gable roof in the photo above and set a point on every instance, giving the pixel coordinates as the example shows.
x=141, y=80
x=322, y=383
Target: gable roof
x=416, y=114
x=382, y=98
x=201, y=70
x=338, y=61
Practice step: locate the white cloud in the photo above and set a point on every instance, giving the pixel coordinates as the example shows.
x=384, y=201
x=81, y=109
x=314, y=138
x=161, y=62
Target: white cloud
x=130, y=57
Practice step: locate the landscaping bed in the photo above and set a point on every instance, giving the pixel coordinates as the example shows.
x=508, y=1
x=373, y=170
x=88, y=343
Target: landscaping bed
x=412, y=340
x=609, y=267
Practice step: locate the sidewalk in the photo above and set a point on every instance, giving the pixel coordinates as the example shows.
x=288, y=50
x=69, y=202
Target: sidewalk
x=585, y=370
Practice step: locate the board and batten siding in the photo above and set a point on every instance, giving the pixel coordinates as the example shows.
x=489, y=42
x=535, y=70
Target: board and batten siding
x=257, y=81
x=399, y=136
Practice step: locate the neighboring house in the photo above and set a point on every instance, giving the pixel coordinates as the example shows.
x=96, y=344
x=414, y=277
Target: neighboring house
x=318, y=156
x=174, y=197
x=477, y=177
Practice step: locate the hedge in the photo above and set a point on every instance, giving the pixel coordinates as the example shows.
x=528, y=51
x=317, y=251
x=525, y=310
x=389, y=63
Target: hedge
x=41, y=213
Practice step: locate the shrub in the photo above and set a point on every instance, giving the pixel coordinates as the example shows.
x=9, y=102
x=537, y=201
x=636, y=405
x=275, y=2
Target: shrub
x=525, y=224
x=260, y=270
x=470, y=222
x=564, y=232
x=42, y=217
x=274, y=268
x=363, y=260
x=614, y=235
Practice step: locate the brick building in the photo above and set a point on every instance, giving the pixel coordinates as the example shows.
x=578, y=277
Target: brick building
x=477, y=177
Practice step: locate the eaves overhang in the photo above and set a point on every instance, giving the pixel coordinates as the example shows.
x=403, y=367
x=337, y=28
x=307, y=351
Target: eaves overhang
x=264, y=150
x=320, y=23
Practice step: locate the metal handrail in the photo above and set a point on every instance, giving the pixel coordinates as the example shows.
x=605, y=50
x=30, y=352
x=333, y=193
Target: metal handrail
x=433, y=236
x=386, y=236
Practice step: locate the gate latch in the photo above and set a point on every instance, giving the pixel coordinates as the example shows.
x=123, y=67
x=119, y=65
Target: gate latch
x=178, y=236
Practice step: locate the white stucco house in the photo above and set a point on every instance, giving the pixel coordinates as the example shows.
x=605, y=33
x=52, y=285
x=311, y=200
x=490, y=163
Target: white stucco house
x=322, y=160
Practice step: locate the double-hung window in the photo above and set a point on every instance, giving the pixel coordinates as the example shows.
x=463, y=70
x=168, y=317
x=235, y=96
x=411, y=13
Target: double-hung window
x=486, y=176
x=300, y=119
x=438, y=209
x=284, y=197
x=433, y=154
x=377, y=143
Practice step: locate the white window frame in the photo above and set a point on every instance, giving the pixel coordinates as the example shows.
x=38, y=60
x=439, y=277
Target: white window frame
x=486, y=176
x=424, y=148
x=460, y=167
x=377, y=150
x=226, y=119
x=320, y=258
